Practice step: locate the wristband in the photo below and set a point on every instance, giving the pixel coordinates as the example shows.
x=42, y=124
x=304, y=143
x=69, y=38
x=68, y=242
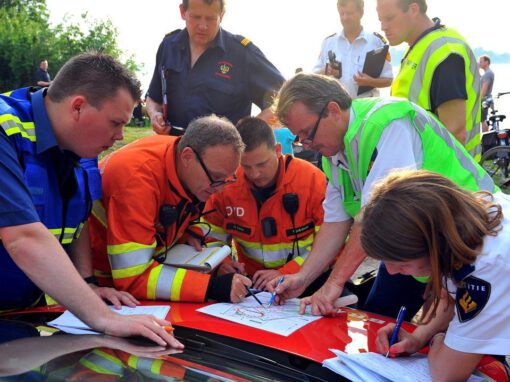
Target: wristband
x=435, y=336
x=91, y=280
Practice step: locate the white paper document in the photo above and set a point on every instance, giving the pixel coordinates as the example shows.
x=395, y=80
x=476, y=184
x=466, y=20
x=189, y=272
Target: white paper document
x=374, y=367
x=278, y=319
x=69, y=323
x=185, y=256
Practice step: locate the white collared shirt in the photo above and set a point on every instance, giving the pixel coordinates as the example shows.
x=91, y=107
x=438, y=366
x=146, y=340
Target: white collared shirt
x=352, y=56
x=400, y=147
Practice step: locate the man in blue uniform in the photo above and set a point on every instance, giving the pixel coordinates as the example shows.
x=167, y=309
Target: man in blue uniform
x=204, y=69
x=46, y=189
x=42, y=77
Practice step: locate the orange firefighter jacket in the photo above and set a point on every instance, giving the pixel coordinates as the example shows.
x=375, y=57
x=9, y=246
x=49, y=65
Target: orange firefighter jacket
x=124, y=226
x=237, y=217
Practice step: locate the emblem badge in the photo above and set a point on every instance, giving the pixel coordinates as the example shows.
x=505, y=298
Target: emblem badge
x=224, y=68
x=471, y=297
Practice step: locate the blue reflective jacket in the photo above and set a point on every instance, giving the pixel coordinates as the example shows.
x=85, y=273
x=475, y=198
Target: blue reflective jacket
x=63, y=207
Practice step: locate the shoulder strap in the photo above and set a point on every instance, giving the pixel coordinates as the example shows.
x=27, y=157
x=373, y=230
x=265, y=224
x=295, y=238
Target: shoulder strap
x=287, y=161
x=381, y=37
x=173, y=32
x=244, y=41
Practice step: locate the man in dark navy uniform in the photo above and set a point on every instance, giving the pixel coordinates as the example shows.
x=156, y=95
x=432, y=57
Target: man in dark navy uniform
x=42, y=77
x=205, y=69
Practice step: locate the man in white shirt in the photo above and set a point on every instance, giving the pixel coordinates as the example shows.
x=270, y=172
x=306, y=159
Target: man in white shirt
x=350, y=47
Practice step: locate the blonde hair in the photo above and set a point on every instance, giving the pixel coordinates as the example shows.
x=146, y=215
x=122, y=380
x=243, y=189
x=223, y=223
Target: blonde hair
x=417, y=214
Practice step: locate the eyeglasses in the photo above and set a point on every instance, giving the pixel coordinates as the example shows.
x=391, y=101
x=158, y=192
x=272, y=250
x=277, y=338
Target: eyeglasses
x=309, y=140
x=213, y=183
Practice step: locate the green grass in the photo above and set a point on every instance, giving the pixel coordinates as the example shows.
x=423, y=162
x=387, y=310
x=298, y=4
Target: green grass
x=130, y=134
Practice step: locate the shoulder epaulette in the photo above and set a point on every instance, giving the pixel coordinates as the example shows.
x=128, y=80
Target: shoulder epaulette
x=243, y=40
x=381, y=37
x=173, y=32
x=331, y=35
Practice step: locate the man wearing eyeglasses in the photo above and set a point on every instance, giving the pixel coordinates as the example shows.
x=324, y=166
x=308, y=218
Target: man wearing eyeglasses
x=362, y=141
x=152, y=192
x=272, y=213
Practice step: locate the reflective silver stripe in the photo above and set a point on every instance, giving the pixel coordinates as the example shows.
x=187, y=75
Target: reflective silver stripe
x=144, y=365
x=477, y=84
x=485, y=182
x=68, y=235
x=12, y=125
x=417, y=84
x=165, y=281
x=216, y=232
x=273, y=258
x=131, y=259
x=224, y=238
x=423, y=118
x=104, y=363
x=357, y=181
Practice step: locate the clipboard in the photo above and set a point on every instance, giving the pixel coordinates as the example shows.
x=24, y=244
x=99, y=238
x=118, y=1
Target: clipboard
x=374, y=63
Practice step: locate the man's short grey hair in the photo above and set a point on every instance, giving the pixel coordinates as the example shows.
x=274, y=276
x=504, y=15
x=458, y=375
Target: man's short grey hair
x=313, y=90
x=211, y=131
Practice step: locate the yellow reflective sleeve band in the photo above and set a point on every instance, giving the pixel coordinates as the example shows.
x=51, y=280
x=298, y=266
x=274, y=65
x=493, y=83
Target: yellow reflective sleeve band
x=152, y=282
x=13, y=125
x=130, y=272
x=103, y=363
x=128, y=247
x=91, y=366
x=132, y=259
x=156, y=366
x=99, y=212
x=68, y=234
x=133, y=362
x=175, y=293
x=299, y=260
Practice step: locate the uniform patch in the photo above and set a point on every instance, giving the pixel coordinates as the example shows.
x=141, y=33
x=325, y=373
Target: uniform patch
x=300, y=230
x=245, y=41
x=471, y=297
x=238, y=228
x=224, y=68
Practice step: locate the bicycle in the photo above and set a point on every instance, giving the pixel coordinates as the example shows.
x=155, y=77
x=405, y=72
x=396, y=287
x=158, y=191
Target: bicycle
x=496, y=146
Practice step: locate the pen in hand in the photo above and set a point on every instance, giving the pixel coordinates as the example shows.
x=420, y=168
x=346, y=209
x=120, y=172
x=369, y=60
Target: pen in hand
x=253, y=295
x=394, y=333
x=249, y=290
x=273, y=295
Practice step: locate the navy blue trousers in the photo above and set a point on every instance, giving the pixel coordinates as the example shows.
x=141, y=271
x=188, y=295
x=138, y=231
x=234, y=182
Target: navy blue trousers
x=390, y=292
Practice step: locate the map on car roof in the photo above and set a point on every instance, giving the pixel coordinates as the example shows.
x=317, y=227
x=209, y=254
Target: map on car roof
x=279, y=319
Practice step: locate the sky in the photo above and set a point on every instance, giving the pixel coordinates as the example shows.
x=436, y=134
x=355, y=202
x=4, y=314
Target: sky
x=289, y=32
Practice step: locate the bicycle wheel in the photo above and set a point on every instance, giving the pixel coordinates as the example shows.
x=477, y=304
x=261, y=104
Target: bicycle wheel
x=496, y=161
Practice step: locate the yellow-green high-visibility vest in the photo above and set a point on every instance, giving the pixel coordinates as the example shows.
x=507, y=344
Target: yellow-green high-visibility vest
x=417, y=70
x=442, y=153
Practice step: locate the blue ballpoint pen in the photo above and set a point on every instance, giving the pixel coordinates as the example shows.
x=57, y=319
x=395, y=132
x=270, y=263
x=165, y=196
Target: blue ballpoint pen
x=394, y=333
x=273, y=295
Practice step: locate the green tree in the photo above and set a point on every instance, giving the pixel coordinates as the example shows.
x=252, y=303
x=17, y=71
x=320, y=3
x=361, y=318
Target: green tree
x=26, y=36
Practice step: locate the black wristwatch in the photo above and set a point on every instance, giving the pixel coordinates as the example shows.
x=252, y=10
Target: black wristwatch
x=91, y=280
